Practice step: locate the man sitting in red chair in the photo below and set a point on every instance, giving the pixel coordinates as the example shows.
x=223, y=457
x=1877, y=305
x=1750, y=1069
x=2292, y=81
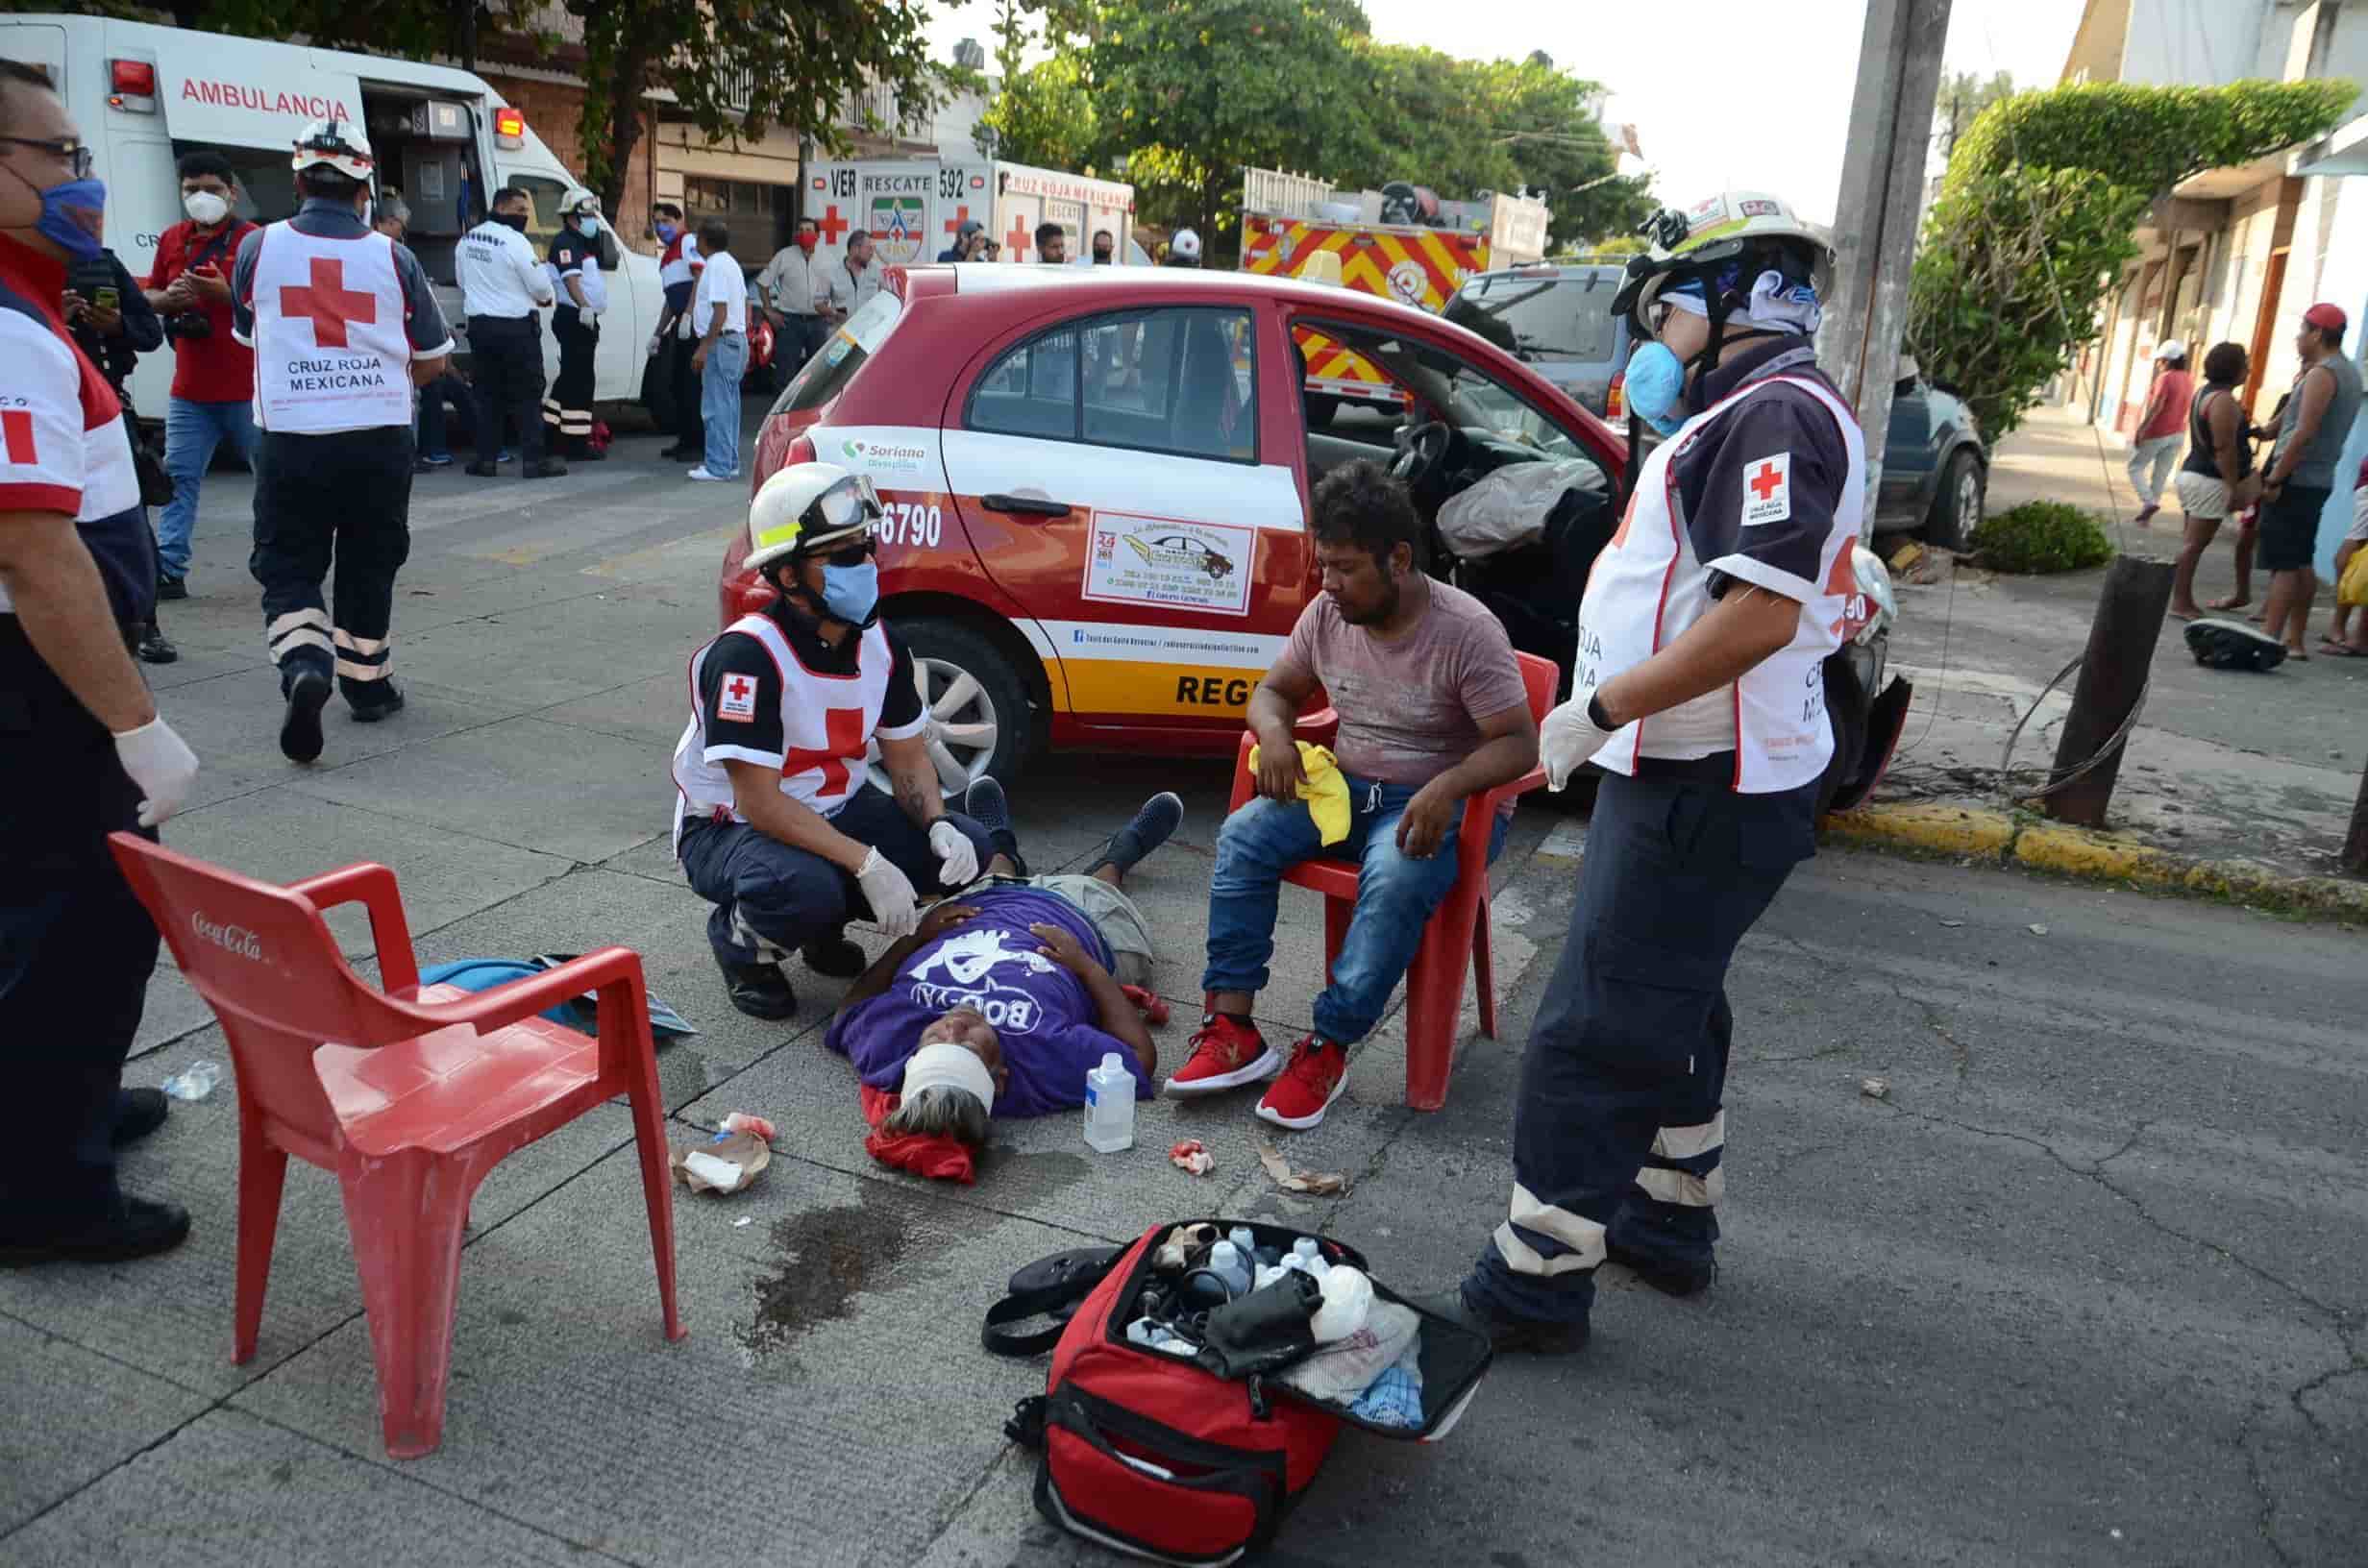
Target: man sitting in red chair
x=1432, y=710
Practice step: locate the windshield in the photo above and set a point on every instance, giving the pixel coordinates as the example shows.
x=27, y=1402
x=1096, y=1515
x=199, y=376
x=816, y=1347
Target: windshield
x=1453, y=389
x=1545, y=316
x=823, y=377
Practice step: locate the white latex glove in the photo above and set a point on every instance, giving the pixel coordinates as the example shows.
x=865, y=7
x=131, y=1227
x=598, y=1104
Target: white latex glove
x=957, y=858
x=161, y=764
x=1568, y=737
x=889, y=894
x=656, y=341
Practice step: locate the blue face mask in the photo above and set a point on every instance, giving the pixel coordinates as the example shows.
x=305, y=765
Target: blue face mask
x=1656, y=380
x=587, y=227
x=667, y=232
x=852, y=593
x=62, y=208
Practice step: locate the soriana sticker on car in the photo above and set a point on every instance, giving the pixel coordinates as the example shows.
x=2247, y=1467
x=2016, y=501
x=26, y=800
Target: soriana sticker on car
x=1135, y=559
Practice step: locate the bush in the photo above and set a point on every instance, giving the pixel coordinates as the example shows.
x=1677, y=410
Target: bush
x=2041, y=536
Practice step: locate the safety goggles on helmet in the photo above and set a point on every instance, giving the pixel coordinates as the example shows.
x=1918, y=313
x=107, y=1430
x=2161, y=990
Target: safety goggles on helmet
x=848, y=508
x=338, y=144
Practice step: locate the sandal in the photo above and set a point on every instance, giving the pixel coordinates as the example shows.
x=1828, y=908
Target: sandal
x=2342, y=651
x=2232, y=602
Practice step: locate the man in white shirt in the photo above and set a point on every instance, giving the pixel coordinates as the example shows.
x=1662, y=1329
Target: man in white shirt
x=502, y=284
x=720, y=314
x=844, y=289
x=787, y=286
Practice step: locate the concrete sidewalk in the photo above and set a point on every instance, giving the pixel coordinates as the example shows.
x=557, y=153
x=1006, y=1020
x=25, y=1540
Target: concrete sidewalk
x=2254, y=774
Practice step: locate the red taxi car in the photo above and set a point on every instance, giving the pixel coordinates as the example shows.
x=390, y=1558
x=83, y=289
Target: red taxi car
x=1097, y=491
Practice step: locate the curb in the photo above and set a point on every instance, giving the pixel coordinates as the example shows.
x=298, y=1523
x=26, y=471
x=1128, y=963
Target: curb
x=2004, y=838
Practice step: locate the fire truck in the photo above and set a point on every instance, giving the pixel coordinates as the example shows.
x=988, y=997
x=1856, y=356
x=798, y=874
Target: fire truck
x=1401, y=242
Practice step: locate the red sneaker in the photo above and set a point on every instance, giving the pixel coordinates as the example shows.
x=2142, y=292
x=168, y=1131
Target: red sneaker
x=1319, y=1072
x=1227, y=1052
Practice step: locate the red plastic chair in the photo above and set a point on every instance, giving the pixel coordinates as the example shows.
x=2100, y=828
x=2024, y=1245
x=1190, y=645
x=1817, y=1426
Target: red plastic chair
x=1460, y=926
x=418, y=1096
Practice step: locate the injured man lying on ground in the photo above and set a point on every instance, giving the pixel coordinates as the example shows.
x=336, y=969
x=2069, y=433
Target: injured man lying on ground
x=1002, y=1000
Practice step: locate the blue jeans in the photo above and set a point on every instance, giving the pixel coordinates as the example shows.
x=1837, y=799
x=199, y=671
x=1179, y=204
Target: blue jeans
x=1395, y=896
x=193, y=430
x=446, y=391
x=719, y=402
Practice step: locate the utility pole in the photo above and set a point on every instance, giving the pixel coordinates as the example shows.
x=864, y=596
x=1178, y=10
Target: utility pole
x=1875, y=213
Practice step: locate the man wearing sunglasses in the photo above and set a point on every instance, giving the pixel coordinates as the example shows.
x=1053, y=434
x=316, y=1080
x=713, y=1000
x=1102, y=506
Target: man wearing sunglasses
x=776, y=825
x=83, y=752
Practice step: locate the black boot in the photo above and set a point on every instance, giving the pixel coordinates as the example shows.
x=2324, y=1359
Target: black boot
x=835, y=955
x=154, y=647
x=1507, y=1334
x=761, y=991
x=299, y=731
x=385, y=706
x=133, y=1228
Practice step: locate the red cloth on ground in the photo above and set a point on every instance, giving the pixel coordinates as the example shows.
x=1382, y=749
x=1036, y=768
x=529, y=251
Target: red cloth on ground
x=941, y=1159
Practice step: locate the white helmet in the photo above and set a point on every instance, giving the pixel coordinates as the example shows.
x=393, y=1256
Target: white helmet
x=1722, y=243
x=338, y=144
x=1186, y=244
x=809, y=507
x=580, y=203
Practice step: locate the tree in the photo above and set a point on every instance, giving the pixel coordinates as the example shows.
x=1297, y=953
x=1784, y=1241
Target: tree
x=738, y=66
x=1962, y=98
x=402, y=28
x=1042, y=114
x=2035, y=216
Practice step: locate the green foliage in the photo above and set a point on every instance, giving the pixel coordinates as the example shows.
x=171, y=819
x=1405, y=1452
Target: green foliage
x=2036, y=215
x=1042, y=114
x=1962, y=100
x=1184, y=94
x=2041, y=536
x=405, y=28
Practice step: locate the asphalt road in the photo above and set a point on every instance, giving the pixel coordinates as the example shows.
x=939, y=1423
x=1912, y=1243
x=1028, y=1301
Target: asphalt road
x=2087, y=1286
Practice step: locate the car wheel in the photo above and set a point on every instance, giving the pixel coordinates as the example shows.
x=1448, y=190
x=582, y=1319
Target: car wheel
x=1321, y=407
x=978, y=720
x=1957, y=505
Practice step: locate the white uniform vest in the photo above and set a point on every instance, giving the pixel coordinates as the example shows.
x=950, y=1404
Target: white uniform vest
x=1646, y=589
x=331, y=348
x=827, y=725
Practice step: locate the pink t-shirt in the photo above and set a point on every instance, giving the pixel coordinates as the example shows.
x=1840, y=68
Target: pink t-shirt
x=1410, y=709
x=2177, y=389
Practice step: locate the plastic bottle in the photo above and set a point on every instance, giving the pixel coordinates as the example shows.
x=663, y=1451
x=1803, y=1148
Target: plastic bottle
x=1244, y=1243
x=193, y=1082
x=1109, y=1106
x=1226, y=1261
x=1306, y=1249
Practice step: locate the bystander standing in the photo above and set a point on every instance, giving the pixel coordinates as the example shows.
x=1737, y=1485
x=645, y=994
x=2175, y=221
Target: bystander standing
x=786, y=286
x=2161, y=429
x=720, y=309
x=2300, y=475
x=846, y=288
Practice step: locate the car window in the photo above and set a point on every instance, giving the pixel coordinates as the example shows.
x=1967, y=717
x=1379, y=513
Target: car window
x=1450, y=388
x=1565, y=318
x=1180, y=381
x=829, y=372
x=543, y=197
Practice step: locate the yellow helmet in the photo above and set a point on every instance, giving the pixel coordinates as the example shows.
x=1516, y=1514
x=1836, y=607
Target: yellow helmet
x=809, y=507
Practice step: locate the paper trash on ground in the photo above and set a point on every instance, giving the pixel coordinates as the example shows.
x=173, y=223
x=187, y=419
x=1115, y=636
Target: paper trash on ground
x=1316, y=1184
x=727, y=1164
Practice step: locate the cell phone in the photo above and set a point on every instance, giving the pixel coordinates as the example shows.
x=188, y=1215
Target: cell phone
x=106, y=299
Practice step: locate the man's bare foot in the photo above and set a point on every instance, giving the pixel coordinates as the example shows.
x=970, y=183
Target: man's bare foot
x=2298, y=653
x=2185, y=612
x=2233, y=601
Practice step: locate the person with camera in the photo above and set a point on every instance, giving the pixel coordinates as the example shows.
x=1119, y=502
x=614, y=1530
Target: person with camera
x=213, y=373
x=110, y=321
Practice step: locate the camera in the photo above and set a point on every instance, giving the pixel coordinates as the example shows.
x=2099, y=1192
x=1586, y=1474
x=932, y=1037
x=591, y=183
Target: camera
x=189, y=323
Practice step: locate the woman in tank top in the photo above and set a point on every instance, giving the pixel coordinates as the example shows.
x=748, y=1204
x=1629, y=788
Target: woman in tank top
x=2216, y=479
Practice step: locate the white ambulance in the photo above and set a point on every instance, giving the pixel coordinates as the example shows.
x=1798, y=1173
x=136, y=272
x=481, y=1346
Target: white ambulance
x=913, y=208
x=143, y=95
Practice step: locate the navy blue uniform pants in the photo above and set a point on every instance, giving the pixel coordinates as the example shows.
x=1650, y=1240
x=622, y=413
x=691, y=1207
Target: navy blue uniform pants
x=763, y=887
x=340, y=501
x=76, y=949
x=1619, y=1125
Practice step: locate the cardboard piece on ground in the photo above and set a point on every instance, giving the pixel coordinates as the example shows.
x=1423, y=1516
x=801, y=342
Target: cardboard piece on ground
x=727, y=1165
x=1316, y=1184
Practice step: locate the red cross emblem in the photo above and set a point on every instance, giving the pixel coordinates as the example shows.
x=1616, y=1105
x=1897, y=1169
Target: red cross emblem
x=1018, y=239
x=1764, y=484
x=843, y=743
x=832, y=225
x=327, y=304
x=961, y=216
x=739, y=688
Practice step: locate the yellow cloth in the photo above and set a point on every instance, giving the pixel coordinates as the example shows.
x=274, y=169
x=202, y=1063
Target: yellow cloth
x=2352, y=587
x=1324, y=789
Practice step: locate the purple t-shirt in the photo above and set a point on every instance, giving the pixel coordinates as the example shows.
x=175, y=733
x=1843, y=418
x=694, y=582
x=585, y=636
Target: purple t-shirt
x=1043, y=1014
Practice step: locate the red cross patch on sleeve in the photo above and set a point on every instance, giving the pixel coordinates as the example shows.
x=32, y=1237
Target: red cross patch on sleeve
x=1767, y=489
x=738, y=697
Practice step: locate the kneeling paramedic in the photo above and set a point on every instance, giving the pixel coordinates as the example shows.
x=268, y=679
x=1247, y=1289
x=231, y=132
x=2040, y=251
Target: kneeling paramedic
x=343, y=326
x=778, y=827
x=1699, y=691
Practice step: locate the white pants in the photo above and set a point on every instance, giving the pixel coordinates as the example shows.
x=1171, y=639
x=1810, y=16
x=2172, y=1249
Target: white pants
x=2150, y=466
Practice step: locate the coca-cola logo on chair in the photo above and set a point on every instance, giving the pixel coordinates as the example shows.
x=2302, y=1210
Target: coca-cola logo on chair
x=230, y=939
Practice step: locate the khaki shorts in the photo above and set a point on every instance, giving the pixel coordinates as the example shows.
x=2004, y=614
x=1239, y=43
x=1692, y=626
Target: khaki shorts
x=1116, y=917
x=2201, y=496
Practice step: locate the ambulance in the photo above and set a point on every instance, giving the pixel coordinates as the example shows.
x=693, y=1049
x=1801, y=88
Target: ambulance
x=1398, y=243
x=143, y=95
x=913, y=208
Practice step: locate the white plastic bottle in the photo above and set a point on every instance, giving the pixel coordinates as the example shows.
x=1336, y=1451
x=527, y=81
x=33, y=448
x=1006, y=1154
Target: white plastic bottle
x=1226, y=1262
x=1109, y=1106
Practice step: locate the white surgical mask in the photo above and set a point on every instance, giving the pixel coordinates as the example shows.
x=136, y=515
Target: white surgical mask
x=206, y=208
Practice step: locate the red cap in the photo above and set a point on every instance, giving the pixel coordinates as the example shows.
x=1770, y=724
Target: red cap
x=2329, y=316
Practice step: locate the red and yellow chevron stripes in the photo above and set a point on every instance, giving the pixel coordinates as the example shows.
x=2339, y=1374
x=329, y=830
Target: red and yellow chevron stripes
x=1420, y=267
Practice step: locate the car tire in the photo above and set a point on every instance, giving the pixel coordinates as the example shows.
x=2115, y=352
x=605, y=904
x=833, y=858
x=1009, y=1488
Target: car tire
x=966, y=674
x=1957, y=503
x=1321, y=407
